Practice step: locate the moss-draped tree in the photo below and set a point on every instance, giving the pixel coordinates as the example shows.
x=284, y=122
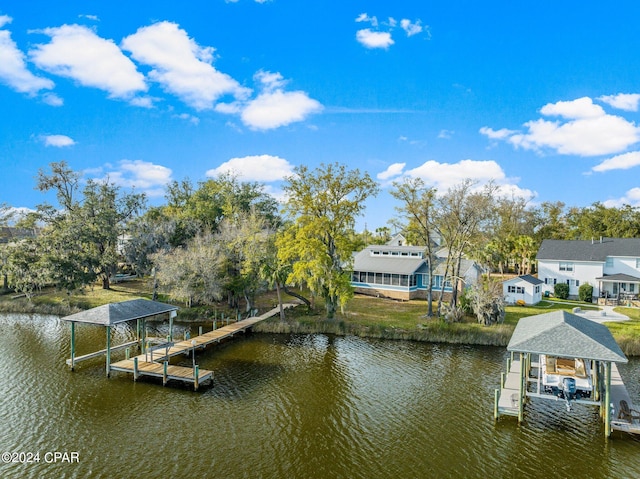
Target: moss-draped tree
x=324, y=204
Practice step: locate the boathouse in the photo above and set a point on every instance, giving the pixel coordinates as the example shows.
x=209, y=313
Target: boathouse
x=562, y=356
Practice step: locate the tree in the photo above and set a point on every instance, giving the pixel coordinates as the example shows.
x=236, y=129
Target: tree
x=24, y=269
x=461, y=215
x=324, y=204
x=192, y=273
x=92, y=222
x=243, y=242
x=418, y=221
x=487, y=301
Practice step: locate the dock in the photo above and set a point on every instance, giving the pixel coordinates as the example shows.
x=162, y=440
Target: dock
x=155, y=360
x=507, y=396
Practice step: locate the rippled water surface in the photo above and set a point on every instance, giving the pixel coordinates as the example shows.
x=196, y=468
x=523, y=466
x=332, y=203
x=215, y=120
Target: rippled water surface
x=286, y=406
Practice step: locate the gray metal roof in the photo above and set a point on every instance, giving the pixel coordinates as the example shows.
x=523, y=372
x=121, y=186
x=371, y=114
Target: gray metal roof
x=620, y=277
x=114, y=313
x=563, y=334
x=578, y=250
x=363, y=261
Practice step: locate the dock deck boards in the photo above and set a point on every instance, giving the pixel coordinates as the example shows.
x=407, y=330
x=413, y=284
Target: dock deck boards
x=619, y=393
x=151, y=362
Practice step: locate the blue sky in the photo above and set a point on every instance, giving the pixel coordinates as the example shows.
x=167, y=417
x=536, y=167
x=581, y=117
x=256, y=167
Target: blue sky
x=542, y=98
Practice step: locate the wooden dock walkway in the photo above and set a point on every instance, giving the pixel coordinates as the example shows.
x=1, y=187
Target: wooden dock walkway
x=155, y=361
x=619, y=393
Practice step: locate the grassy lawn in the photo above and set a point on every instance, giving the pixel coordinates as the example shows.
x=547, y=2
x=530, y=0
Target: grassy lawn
x=364, y=315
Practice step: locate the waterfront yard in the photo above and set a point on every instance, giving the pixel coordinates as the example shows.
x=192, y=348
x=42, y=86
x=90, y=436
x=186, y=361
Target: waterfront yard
x=363, y=316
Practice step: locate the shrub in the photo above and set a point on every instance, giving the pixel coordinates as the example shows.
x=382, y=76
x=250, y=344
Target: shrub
x=561, y=290
x=585, y=292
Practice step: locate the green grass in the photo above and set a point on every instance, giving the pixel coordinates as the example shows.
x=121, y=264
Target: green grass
x=363, y=316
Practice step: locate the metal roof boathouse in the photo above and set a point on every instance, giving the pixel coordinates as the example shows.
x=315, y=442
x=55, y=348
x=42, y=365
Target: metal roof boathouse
x=561, y=356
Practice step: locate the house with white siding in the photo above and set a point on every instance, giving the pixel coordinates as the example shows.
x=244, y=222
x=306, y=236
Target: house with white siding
x=610, y=265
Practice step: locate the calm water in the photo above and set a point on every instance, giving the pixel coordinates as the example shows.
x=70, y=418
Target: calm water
x=290, y=407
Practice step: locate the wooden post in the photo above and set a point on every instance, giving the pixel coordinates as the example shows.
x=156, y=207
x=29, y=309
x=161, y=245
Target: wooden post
x=135, y=368
x=521, y=392
x=172, y=315
x=196, y=373
x=503, y=378
x=143, y=336
x=200, y=331
x=164, y=373
x=127, y=353
x=108, y=350
x=495, y=404
x=73, y=345
x=607, y=400
x=595, y=366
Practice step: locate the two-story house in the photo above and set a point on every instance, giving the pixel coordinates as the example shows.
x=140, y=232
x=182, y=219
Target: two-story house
x=610, y=265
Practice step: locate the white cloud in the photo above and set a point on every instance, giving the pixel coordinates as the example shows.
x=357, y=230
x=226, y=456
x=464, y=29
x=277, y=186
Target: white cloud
x=619, y=162
x=445, y=134
x=13, y=69
x=181, y=66
x=622, y=101
x=90, y=17
x=274, y=107
x=76, y=52
x=574, y=109
x=371, y=39
x=446, y=175
x=255, y=168
x=190, y=118
x=58, y=141
x=52, y=99
x=501, y=134
x=143, y=175
x=586, y=130
x=631, y=197
x=5, y=20
x=394, y=170
x=411, y=28
x=142, y=101
x=363, y=17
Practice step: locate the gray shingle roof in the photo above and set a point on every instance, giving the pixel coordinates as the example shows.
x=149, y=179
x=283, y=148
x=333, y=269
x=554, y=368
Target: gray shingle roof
x=578, y=250
x=526, y=277
x=563, y=334
x=114, y=313
x=620, y=277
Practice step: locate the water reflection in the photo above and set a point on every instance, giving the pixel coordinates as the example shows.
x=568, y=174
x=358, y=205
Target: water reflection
x=310, y=406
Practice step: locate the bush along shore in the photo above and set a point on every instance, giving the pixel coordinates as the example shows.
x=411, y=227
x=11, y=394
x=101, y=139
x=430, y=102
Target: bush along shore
x=365, y=317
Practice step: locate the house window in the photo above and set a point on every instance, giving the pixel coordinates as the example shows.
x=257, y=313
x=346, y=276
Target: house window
x=520, y=290
x=637, y=263
x=386, y=278
x=413, y=280
x=550, y=281
x=577, y=282
x=632, y=287
x=537, y=289
x=566, y=266
x=609, y=262
x=511, y=289
x=378, y=278
x=404, y=281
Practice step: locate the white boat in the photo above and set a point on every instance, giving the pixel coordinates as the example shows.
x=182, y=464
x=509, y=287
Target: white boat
x=568, y=378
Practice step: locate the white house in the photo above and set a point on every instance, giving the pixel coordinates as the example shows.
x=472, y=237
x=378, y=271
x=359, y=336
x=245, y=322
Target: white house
x=524, y=288
x=610, y=265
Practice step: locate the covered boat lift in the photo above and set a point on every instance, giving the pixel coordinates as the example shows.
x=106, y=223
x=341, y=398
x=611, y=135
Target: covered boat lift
x=110, y=315
x=561, y=334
